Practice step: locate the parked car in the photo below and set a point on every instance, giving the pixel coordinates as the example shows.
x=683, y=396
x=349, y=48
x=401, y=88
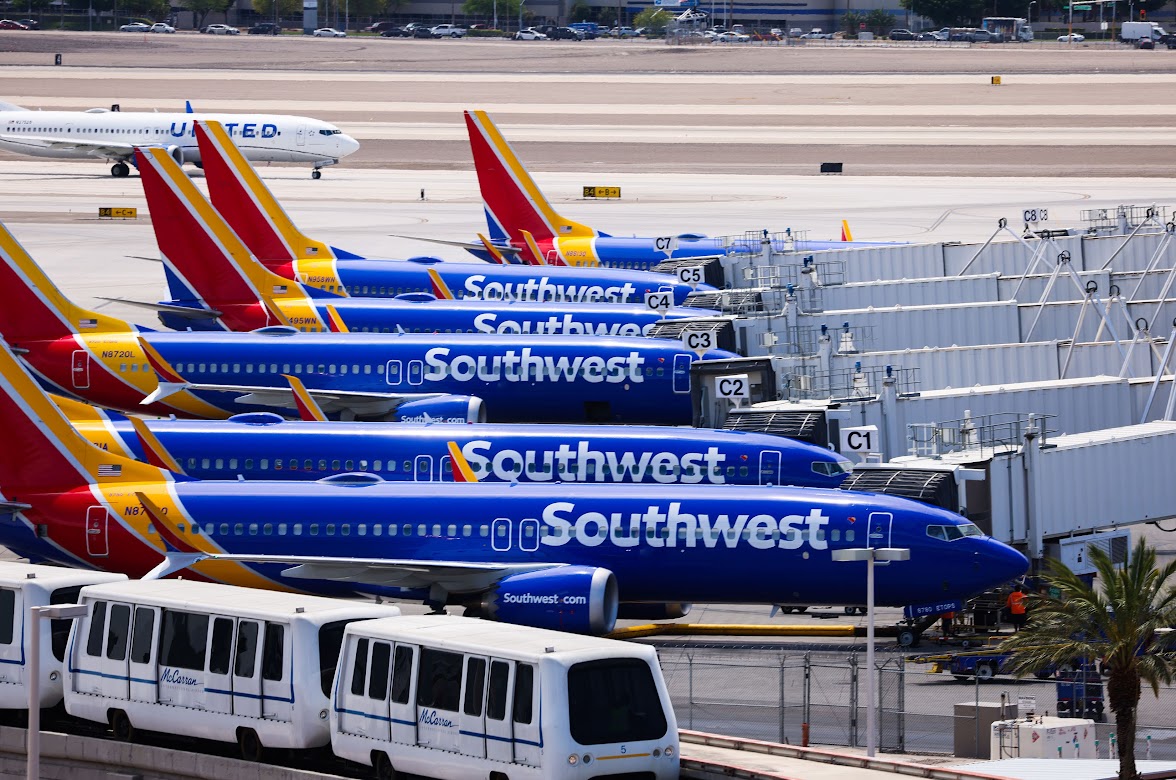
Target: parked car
x=623, y=32
x=31, y=24
x=732, y=37
x=1145, y=43
x=380, y=27
x=162, y=27
x=447, y=31
x=134, y=27
x=419, y=32
x=1072, y=38
x=265, y=28
x=8, y=24
x=396, y=32
x=561, y=33
x=817, y=33
x=983, y=36
x=901, y=35
x=329, y=32
x=529, y=34
x=930, y=35
x=220, y=29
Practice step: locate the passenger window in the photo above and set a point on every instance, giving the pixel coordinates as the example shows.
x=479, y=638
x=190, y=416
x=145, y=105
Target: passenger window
x=439, y=680
x=142, y=635
x=273, y=652
x=118, y=633
x=222, y=646
x=184, y=640
x=401, y=674
x=523, y=691
x=475, y=685
x=246, y=660
x=7, y=615
x=359, y=668
x=97, y=630
x=496, y=692
x=381, y=661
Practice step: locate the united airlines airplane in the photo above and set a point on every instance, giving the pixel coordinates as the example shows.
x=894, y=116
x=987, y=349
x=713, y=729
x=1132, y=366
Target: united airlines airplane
x=114, y=135
x=216, y=284
x=558, y=555
x=264, y=446
x=519, y=378
x=253, y=213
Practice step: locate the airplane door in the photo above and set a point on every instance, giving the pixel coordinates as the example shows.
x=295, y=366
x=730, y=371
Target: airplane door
x=446, y=470
x=499, y=731
x=472, y=718
x=416, y=372
x=97, y=541
x=681, y=373
x=525, y=720
x=300, y=135
x=423, y=470
x=219, y=680
x=11, y=636
x=880, y=523
x=143, y=668
x=246, y=670
x=528, y=535
x=402, y=699
x=394, y=372
x=81, y=369
x=769, y=470
x=500, y=534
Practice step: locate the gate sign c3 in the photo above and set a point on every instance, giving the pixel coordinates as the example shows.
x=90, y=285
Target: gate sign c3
x=699, y=341
x=602, y=192
x=1031, y=216
x=734, y=387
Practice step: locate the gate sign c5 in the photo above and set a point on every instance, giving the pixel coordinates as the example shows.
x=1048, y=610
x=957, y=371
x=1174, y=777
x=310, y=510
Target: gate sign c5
x=602, y=192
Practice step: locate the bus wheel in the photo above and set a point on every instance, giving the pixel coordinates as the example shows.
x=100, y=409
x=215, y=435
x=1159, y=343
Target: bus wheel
x=249, y=745
x=984, y=672
x=383, y=765
x=120, y=724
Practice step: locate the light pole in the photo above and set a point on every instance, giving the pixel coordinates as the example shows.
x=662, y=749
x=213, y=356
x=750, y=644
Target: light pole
x=1029, y=11
x=870, y=555
x=57, y=612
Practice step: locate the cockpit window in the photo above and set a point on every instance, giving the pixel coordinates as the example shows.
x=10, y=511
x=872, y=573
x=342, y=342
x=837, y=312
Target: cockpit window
x=330, y=132
x=949, y=533
x=832, y=469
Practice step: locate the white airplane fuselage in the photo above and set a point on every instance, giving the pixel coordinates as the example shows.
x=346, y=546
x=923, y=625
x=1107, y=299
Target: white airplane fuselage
x=113, y=135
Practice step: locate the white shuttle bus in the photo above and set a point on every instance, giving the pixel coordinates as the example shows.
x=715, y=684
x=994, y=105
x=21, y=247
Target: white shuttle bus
x=209, y=661
x=24, y=585
x=455, y=698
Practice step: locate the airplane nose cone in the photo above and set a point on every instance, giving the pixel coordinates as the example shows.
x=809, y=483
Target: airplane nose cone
x=1003, y=563
x=347, y=145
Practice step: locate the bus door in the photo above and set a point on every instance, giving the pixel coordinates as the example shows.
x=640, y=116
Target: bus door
x=144, y=646
x=277, y=683
x=363, y=692
x=682, y=373
x=423, y=471
x=472, y=720
x=880, y=523
x=112, y=645
x=528, y=747
x=183, y=657
x=11, y=636
x=218, y=681
x=247, y=670
x=499, y=724
x=402, y=697
x=769, y=466
x=438, y=699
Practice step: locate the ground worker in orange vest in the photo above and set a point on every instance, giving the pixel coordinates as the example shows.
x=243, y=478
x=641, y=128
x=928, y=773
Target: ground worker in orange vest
x=1016, y=606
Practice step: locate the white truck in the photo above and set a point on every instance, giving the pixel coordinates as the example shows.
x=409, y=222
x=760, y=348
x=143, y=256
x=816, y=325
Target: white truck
x=1133, y=32
x=447, y=31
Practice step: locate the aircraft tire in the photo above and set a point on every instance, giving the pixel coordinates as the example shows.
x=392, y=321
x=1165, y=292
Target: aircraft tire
x=120, y=170
x=316, y=174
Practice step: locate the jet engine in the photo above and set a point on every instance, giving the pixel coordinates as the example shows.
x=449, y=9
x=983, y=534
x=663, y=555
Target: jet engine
x=637, y=611
x=444, y=409
x=176, y=153
x=580, y=599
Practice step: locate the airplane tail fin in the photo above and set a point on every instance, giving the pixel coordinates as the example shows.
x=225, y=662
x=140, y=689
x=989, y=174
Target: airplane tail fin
x=31, y=306
x=513, y=201
x=52, y=455
x=207, y=257
x=249, y=207
x=846, y=233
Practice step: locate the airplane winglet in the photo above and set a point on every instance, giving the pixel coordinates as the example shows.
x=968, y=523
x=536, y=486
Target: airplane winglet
x=846, y=234
x=335, y=321
x=534, y=247
x=167, y=531
x=164, y=390
x=157, y=454
x=462, y=471
x=308, y=408
x=441, y=290
x=495, y=253
x=160, y=365
x=188, y=107
x=174, y=562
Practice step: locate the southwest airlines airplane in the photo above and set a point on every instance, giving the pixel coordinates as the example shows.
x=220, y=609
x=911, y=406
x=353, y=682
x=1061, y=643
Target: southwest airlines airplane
x=114, y=135
x=559, y=555
x=241, y=197
x=519, y=378
x=525, y=228
x=216, y=284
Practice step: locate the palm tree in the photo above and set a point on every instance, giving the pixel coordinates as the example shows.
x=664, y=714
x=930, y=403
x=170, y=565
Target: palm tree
x=1123, y=621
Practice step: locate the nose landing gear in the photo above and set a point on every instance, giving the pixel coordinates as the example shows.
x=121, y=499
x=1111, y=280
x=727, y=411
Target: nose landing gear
x=317, y=173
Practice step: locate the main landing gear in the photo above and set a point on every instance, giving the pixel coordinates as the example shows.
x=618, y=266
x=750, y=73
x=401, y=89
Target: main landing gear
x=120, y=170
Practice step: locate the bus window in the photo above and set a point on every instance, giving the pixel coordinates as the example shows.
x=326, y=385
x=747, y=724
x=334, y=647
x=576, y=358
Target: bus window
x=273, y=652
x=184, y=640
x=614, y=700
x=523, y=691
x=381, y=661
x=222, y=646
x=496, y=694
x=142, y=635
x=97, y=629
x=59, y=629
x=246, y=659
x=439, y=680
x=330, y=645
x=118, y=632
x=7, y=615
x=475, y=683
x=401, y=674
x=359, y=668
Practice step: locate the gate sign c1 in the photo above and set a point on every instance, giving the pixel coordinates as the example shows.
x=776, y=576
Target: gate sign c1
x=859, y=441
x=927, y=610
x=699, y=341
x=660, y=301
x=665, y=244
x=734, y=387
x=692, y=275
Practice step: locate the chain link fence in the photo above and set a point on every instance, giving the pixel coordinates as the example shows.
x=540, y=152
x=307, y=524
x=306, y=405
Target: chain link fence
x=819, y=698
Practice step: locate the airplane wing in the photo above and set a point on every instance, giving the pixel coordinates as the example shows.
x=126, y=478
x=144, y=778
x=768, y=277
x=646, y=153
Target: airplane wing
x=110, y=150
x=469, y=245
x=187, y=312
x=363, y=404
x=454, y=576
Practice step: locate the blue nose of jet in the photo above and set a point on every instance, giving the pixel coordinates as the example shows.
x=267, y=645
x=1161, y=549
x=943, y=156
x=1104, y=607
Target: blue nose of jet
x=1001, y=564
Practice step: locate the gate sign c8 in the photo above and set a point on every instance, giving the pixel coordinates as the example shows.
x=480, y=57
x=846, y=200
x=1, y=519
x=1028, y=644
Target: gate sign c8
x=665, y=244
x=692, y=275
x=1031, y=216
x=699, y=341
x=660, y=301
x=734, y=387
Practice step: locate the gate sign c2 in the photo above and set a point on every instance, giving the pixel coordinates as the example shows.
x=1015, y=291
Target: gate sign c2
x=859, y=441
x=661, y=300
x=734, y=387
x=692, y=275
x=927, y=610
x=665, y=244
x=699, y=341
